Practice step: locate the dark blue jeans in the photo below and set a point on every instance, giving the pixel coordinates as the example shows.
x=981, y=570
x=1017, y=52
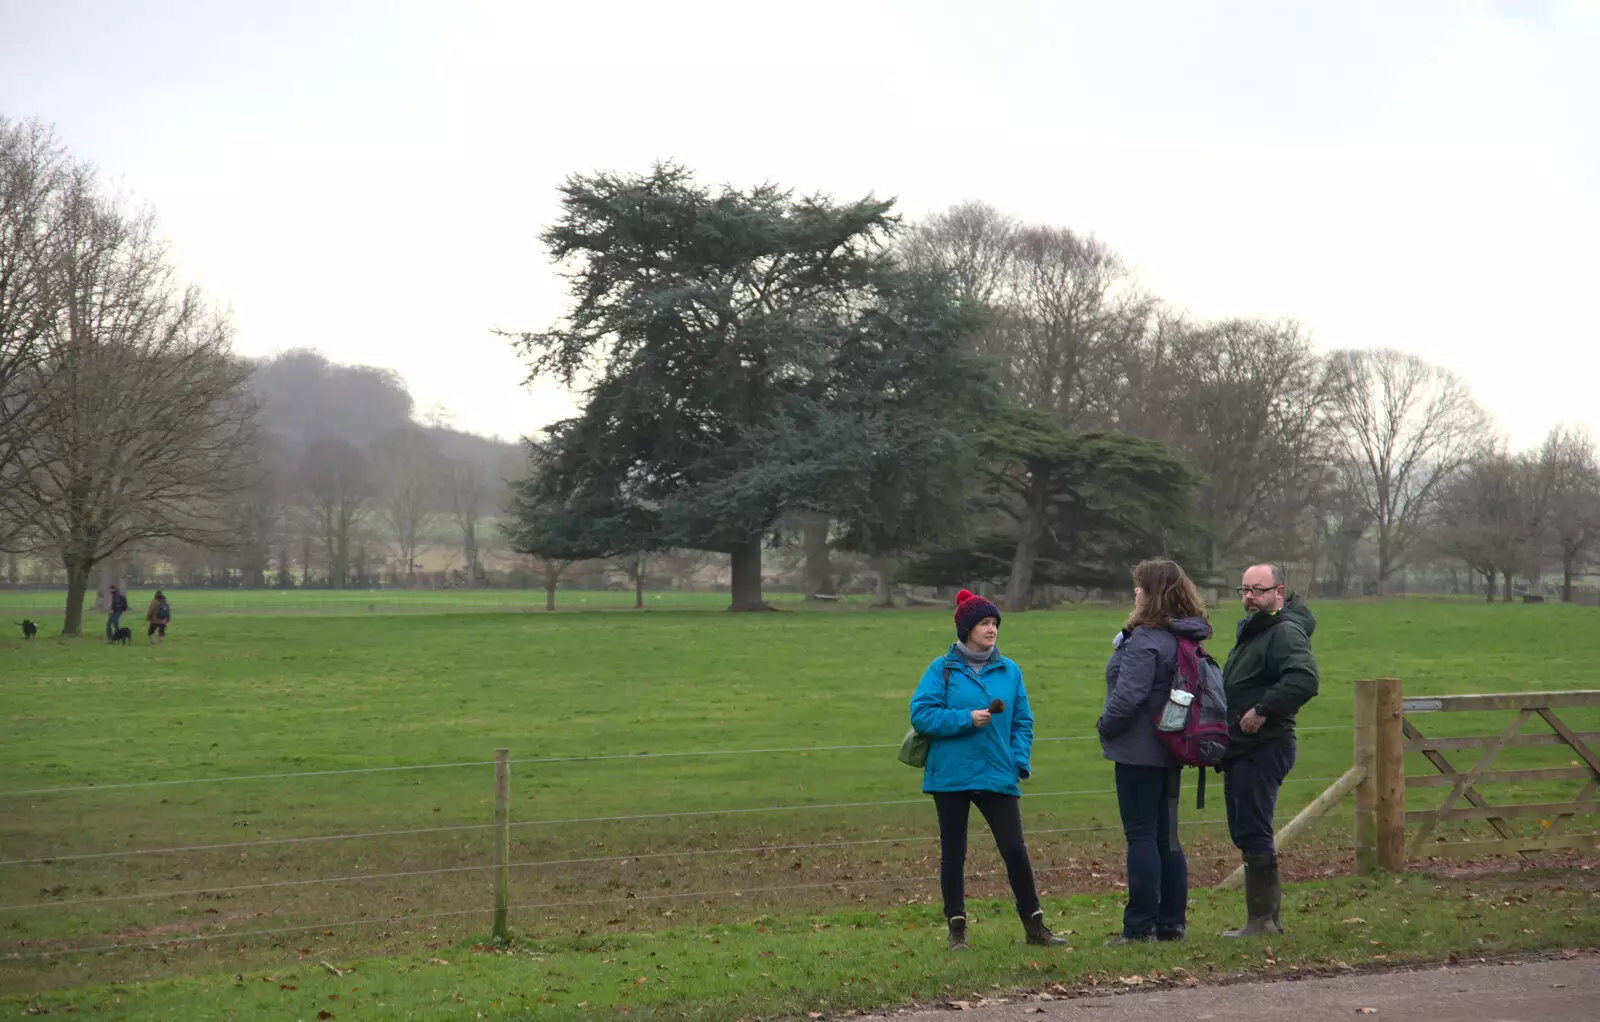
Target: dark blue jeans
x=1158, y=874
x=113, y=622
x=1250, y=786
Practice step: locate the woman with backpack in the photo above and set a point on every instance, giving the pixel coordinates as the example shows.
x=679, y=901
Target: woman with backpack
x=972, y=706
x=1139, y=679
x=157, y=615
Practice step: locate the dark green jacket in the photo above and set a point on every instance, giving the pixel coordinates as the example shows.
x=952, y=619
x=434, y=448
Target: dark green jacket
x=1270, y=667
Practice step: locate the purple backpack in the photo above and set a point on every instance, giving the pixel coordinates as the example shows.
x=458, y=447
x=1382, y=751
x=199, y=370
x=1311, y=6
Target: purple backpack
x=1192, y=723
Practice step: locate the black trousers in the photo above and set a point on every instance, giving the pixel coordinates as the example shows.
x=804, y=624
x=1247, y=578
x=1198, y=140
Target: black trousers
x=1003, y=813
x=1250, y=788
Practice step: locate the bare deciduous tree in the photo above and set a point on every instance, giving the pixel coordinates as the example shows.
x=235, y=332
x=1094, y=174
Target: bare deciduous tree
x=142, y=428
x=1058, y=306
x=468, y=487
x=336, y=481
x=1404, y=427
x=407, y=471
x=1338, y=521
x=1573, y=475
x=259, y=510
x=1489, y=515
x=970, y=243
x=1067, y=310
x=1244, y=401
x=34, y=173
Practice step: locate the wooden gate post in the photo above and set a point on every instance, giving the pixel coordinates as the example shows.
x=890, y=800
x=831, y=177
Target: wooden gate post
x=1365, y=760
x=1390, y=790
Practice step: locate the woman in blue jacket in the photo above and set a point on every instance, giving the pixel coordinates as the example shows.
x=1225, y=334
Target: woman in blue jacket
x=972, y=704
x=1144, y=661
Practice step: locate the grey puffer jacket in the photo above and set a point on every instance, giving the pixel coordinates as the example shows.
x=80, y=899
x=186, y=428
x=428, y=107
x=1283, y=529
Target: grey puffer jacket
x=1138, y=677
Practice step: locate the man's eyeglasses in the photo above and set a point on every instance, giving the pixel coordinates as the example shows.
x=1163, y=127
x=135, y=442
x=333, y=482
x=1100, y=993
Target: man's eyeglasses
x=1257, y=590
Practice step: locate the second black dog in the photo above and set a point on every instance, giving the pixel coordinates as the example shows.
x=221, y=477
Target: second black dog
x=123, y=635
x=28, y=628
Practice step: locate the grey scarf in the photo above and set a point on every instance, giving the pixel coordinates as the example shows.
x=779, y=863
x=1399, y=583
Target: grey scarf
x=975, y=660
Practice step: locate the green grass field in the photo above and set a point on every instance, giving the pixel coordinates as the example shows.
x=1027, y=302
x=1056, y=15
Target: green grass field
x=46, y=606
x=709, y=839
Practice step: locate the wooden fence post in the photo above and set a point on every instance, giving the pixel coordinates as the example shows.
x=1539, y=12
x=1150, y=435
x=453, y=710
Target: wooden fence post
x=1389, y=752
x=502, y=843
x=1365, y=759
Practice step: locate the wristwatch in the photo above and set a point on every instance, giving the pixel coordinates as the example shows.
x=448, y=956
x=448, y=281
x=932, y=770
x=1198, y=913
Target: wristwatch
x=1261, y=711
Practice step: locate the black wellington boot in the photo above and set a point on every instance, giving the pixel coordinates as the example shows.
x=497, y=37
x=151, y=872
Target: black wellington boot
x=1263, y=892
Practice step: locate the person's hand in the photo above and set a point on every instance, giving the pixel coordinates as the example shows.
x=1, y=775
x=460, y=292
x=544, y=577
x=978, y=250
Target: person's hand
x=980, y=718
x=1251, y=722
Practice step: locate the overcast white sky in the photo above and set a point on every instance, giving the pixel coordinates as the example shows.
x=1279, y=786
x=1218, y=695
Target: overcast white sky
x=370, y=177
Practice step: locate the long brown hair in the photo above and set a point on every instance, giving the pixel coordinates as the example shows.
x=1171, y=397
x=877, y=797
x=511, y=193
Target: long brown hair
x=1168, y=594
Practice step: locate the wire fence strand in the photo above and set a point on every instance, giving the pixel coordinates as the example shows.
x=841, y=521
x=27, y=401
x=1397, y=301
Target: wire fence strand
x=540, y=863
x=73, y=857
x=693, y=753
x=677, y=895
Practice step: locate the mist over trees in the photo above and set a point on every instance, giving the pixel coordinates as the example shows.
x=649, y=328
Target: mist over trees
x=779, y=391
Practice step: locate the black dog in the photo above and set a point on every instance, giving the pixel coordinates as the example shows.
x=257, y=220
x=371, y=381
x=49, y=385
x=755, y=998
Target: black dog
x=123, y=635
x=28, y=628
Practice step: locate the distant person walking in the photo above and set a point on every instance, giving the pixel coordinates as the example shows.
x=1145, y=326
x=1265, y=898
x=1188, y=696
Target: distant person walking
x=119, y=606
x=972, y=704
x=1269, y=675
x=158, y=616
x=1139, y=679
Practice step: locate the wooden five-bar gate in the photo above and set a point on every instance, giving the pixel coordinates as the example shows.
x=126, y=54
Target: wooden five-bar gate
x=1526, y=708
x=1386, y=728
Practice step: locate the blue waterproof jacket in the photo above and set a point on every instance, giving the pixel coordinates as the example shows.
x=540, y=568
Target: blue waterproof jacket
x=966, y=758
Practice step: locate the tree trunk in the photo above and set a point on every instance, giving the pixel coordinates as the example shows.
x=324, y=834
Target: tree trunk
x=1566, y=578
x=1019, y=589
x=469, y=545
x=1488, y=586
x=1383, y=558
x=1020, y=586
x=1506, y=580
x=883, y=567
x=549, y=594
x=746, y=572
x=819, y=567
x=638, y=589
x=77, y=588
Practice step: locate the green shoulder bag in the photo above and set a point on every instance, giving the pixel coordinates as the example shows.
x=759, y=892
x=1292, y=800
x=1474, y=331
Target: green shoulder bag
x=914, y=746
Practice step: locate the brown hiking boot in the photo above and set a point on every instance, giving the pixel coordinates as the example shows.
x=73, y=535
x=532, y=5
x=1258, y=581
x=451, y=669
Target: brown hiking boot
x=958, y=933
x=1039, y=933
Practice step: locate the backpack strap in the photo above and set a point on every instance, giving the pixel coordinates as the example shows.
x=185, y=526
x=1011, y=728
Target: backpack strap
x=1174, y=779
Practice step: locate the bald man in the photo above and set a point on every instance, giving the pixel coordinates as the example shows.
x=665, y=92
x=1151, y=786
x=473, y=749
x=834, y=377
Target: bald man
x=1269, y=675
